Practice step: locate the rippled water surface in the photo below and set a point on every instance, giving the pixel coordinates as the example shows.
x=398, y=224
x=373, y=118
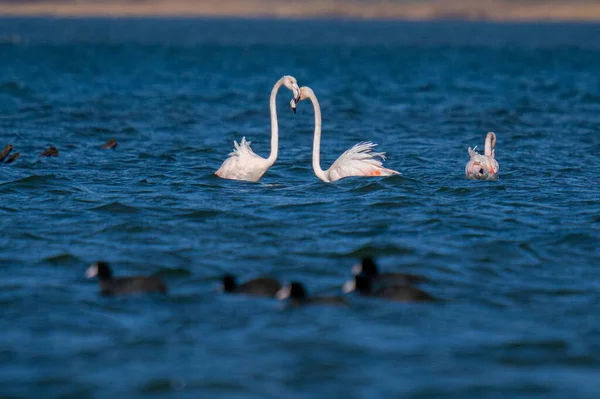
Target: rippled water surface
x=515, y=262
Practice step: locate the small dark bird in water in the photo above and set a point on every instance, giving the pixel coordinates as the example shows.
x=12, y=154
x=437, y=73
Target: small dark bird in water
x=297, y=295
x=262, y=286
x=13, y=158
x=363, y=285
x=110, y=285
x=5, y=153
x=369, y=269
x=110, y=144
x=50, y=152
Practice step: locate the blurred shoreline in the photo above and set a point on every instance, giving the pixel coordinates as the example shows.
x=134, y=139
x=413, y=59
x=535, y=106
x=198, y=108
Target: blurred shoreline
x=471, y=10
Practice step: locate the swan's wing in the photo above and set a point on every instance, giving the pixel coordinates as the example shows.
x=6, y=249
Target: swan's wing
x=360, y=160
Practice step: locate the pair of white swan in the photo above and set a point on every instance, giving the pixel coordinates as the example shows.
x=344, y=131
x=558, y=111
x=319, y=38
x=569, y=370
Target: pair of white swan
x=360, y=160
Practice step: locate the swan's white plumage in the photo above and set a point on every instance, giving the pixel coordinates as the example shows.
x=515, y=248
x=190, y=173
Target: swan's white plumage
x=359, y=160
x=483, y=167
x=245, y=164
x=241, y=149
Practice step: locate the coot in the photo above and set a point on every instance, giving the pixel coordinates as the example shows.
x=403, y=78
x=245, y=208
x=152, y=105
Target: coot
x=262, y=286
x=298, y=296
x=110, y=285
x=363, y=285
x=368, y=268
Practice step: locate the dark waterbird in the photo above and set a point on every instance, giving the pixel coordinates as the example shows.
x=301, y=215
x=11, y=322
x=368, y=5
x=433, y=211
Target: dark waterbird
x=5, y=153
x=369, y=269
x=297, y=295
x=363, y=285
x=110, y=144
x=50, y=152
x=110, y=285
x=261, y=286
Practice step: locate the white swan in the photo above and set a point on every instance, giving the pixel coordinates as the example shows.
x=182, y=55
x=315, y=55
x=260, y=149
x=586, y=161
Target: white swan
x=243, y=163
x=483, y=167
x=359, y=160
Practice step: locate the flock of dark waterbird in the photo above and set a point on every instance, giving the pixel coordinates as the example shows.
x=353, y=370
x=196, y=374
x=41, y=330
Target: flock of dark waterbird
x=366, y=281
x=48, y=152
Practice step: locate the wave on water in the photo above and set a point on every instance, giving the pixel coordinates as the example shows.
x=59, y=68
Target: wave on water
x=173, y=272
x=507, y=259
x=201, y=215
x=116, y=208
x=380, y=250
x=63, y=259
x=33, y=181
x=15, y=88
x=162, y=156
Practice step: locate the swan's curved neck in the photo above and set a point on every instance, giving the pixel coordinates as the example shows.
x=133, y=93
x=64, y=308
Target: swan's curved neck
x=316, y=160
x=274, y=127
x=490, y=143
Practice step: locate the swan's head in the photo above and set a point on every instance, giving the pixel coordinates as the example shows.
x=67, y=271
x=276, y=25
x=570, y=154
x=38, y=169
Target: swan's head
x=291, y=83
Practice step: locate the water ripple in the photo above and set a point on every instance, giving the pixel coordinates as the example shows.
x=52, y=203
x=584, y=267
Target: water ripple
x=116, y=208
x=513, y=262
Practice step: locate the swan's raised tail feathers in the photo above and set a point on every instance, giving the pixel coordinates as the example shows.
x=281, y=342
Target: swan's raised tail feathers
x=364, y=152
x=472, y=151
x=243, y=148
x=360, y=160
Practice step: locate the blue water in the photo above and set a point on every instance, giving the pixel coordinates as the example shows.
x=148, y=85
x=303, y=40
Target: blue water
x=514, y=262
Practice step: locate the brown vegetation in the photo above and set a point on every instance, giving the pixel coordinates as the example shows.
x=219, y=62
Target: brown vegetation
x=574, y=10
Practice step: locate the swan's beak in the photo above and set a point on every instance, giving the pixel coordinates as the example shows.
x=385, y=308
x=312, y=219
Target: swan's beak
x=283, y=293
x=349, y=286
x=92, y=271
